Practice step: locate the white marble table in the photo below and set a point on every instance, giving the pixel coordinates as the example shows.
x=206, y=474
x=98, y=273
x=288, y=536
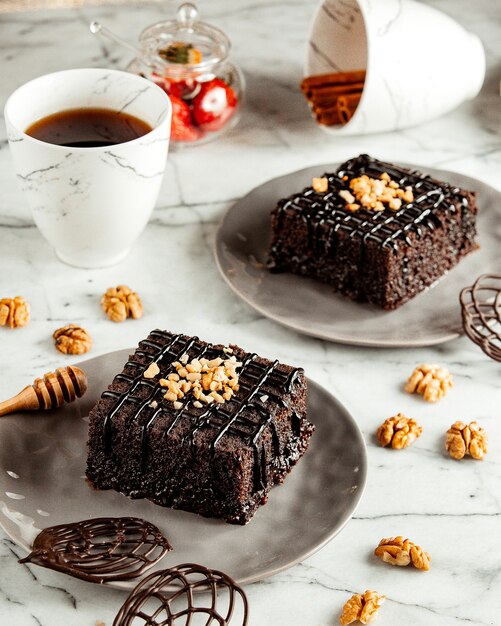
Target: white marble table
x=452, y=509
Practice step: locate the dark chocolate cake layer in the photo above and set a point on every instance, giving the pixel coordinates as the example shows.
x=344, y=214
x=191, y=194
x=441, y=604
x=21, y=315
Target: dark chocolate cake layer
x=218, y=459
x=383, y=257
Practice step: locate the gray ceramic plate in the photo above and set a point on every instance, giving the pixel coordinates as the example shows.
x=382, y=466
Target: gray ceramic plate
x=312, y=308
x=42, y=465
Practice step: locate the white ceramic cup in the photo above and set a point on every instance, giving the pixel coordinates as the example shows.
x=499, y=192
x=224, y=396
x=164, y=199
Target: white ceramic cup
x=420, y=63
x=91, y=204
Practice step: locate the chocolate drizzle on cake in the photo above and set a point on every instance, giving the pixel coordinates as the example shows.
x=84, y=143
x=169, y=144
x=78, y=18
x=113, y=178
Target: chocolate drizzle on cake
x=167, y=598
x=228, y=419
x=327, y=210
x=100, y=550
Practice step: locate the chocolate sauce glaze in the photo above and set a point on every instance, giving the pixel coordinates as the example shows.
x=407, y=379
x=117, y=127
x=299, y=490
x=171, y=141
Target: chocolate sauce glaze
x=385, y=227
x=230, y=418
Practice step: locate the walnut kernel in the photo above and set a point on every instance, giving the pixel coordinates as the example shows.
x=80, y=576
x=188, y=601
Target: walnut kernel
x=374, y=194
x=400, y=551
x=208, y=381
x=152, y=370
x=320, y=185
x=466, y=440
x=431, y=381
x=14, y=312
x=398, y=432
x=362, y=607
x=72, y=339
x=121, y=302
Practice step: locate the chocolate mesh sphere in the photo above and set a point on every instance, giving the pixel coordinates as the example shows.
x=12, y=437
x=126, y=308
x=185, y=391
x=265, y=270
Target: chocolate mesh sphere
x=100, y=550
x=170, y=598
x=481, y=310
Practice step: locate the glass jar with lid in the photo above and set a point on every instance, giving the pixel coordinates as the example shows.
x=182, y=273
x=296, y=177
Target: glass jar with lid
x=189, y=59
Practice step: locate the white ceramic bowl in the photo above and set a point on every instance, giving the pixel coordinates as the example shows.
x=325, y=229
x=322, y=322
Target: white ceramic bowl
x=420, y=63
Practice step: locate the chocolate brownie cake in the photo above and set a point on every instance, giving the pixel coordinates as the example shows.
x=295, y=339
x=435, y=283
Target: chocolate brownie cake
x=374, y=231
x=200, y=427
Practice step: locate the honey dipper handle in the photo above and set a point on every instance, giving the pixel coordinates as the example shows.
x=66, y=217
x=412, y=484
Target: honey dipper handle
x=25, y=400
x=50, y=392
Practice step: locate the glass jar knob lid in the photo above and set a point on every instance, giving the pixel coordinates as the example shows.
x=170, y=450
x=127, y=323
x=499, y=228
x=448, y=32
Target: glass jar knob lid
x=164, y=40
x=187, y=15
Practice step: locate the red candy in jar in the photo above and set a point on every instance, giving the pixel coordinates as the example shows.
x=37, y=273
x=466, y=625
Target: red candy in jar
x=191, y=64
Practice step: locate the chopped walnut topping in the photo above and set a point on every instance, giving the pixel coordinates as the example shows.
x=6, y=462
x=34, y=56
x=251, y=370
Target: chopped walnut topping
x=362, y=607
x=347, y=196
x=209, y=381
x=320, y=185
x=432, y=381
x=154, y=404
x=72, y=339
x=400, y=551
x=152, y=370
x=466, y=440
x=14, y=312
x=375, y=194
x=121, y=302
x=398, y=432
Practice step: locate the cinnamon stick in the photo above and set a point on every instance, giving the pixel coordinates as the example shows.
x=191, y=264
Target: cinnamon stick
x=329, y=117
x=347, y=105
x=333, y=78
x=327, y=92
x=334, y=96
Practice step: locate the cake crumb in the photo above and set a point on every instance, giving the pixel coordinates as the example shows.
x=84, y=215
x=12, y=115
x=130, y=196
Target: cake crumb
x=99, y=622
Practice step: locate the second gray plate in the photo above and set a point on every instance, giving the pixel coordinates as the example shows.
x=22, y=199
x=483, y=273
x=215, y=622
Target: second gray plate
x=312, y=308
x=42, y=483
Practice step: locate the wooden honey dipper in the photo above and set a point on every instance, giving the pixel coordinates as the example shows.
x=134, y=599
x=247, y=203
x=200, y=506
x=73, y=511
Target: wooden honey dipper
x=66, y=384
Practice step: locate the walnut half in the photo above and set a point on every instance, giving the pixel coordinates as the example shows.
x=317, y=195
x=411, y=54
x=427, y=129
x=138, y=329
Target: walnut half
x=466, y=440
x=14, y=312
x=362, y=607
x=400, y=551
x=398, y=432
x=121, y=302
x=72, y=339
x=431, y=381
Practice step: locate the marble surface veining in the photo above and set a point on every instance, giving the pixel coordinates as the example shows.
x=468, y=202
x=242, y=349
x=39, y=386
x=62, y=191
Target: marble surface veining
x=452, y=509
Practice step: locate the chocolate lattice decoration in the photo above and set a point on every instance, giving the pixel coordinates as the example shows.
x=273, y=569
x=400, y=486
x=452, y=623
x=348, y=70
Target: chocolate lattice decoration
x=481, y=309
x=229, y=418
x=166, y=598
x=327, y=211
x=100, y=550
